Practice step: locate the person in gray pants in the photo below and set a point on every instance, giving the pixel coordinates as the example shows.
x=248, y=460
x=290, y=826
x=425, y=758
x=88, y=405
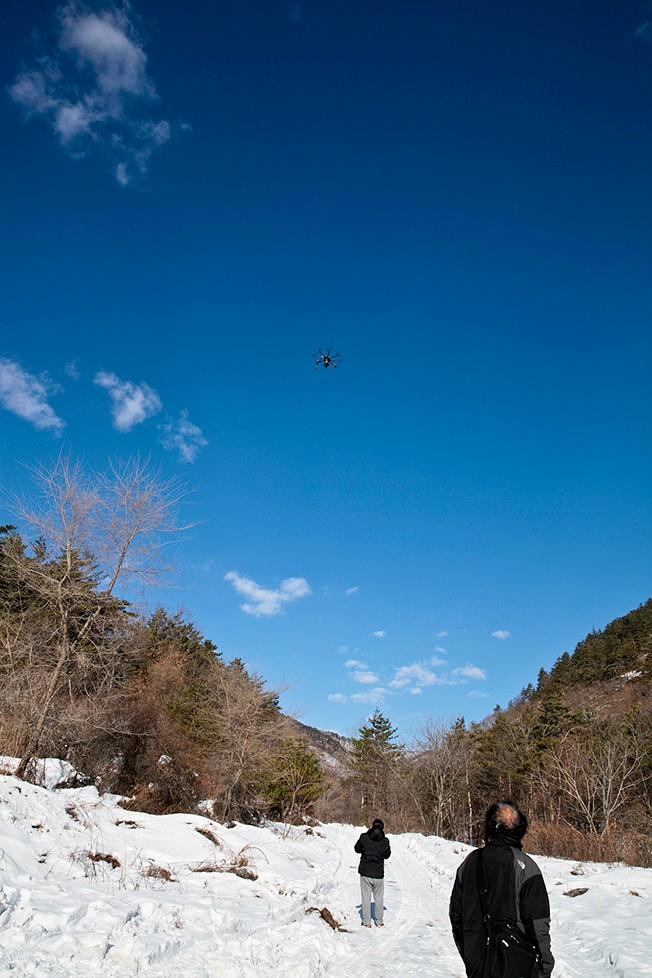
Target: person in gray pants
x=374, y=849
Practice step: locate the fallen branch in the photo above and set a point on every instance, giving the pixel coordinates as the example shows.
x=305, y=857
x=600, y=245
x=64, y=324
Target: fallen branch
x=326, y=915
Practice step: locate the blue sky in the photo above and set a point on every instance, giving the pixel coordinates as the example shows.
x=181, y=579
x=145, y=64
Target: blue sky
x=456, y=197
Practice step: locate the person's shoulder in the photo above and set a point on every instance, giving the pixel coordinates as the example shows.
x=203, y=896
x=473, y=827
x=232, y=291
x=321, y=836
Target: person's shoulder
x=530, y=866
x=470, y=858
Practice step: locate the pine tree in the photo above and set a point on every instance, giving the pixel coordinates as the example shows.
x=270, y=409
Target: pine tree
x=376, y=755
x=294, y=779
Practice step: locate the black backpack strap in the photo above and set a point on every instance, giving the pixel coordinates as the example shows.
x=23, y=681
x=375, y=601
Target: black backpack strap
x=482, y=885
x=486, y=919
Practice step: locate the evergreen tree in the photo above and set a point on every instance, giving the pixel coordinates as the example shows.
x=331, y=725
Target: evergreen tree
x=376, y=754
x=294, y=779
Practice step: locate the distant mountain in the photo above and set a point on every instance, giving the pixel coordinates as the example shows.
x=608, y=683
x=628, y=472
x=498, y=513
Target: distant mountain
x=331, y=749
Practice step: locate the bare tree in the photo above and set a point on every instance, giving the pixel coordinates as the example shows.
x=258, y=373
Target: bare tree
x=440, y=772
x=247, y=731
x=138, y=517
x=598, y=772
x=91, y=531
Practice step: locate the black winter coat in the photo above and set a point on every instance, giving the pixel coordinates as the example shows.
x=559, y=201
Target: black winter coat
x=374, y=848
x=515, y=894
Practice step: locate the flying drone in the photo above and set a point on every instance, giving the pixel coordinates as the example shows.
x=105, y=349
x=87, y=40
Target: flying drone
x=327, y=359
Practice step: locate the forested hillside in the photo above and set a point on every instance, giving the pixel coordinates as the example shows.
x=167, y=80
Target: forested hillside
x=618, y=654
x=575, y=751
x=146, y=706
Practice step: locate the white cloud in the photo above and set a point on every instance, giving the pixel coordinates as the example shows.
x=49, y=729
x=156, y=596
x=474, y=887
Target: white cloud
x=502, y=633
x=343, y=649
x=644, y=32
x=337, y=698
x=267, y=602
x=415, y=674
x=373, y=696
x=361, y=673
x=131, y=403
x=416, y=691
x=27, y=396
x=469, y=672
x=182, y=436
x=379, y=634
x=436, y=661
x=352, y=590
x=91, y=88
x=443, y=634
x=72, y=370
x=366, y=677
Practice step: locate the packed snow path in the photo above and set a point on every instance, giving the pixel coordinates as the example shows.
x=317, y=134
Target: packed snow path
x=88, y=889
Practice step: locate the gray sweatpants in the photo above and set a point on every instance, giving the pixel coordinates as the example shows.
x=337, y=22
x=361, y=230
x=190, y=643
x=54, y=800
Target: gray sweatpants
x=369, y=886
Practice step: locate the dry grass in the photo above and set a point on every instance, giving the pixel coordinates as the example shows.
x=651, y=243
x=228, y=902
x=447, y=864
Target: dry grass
x=237, y=863
x=104, y=857
x=565, y=842
x=157, y=873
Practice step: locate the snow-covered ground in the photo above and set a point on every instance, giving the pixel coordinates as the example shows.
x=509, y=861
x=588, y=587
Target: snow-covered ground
x=88, y=888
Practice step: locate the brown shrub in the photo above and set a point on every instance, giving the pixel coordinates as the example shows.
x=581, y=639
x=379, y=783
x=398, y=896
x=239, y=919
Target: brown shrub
x=158, y=872
x=104, y=857
x=565, y=842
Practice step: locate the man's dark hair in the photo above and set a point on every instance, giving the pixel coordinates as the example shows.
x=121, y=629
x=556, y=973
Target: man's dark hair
x=504, y=818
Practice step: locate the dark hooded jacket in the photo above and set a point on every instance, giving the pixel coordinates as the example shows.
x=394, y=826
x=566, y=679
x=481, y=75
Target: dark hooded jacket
x=374, y=849
x=516, y=894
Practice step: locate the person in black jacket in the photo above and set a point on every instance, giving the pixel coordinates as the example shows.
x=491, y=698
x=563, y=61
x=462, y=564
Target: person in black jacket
x=515, y=893
x=374, y=849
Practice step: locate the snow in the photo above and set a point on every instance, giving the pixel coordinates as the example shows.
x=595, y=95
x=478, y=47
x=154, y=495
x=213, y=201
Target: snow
x=66, y=915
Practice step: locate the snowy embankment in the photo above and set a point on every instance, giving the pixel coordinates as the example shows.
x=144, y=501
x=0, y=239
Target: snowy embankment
x=88, y=888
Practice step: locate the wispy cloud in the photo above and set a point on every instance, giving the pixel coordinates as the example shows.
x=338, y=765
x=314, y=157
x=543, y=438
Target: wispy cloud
x=183, y=437
x=415, y=675
x=72, y=370
x=443, y=634
x=91, y=88
x=360, y=673
x=644, y=32
x=469, y=672
x=379, y=634
x=267, y=602
x=418, y=675
x=27, y=396
x=373, y=696
x=131, y=404
x=502, y=633
x=352, y=590
x=365, y=676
